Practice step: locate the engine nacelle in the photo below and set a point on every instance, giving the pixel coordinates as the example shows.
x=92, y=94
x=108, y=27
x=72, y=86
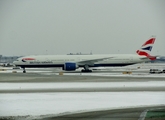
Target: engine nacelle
x=69, y=66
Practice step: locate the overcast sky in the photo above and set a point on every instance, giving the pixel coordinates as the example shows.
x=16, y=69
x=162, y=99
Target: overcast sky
x=36, y=27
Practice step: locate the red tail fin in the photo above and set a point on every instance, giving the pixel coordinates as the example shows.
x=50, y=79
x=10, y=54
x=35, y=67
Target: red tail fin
x=146, y=49
x=143, y=53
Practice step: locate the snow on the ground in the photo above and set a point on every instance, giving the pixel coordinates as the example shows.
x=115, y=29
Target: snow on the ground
x=113, y=74
x=56, y=103
x=21, y=86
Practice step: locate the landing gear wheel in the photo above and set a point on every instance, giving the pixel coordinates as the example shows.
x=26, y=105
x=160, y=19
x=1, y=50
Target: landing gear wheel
x=86, y=69
x=24, y=71
x=83, y=70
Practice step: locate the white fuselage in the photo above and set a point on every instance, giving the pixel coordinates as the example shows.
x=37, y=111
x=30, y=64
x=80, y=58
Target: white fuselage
x=60, y=60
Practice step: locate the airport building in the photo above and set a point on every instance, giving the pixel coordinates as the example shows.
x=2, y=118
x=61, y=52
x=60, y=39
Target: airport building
x=8, y=59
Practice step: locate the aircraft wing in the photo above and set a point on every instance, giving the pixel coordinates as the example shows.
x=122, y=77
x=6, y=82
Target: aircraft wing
x=92, y=61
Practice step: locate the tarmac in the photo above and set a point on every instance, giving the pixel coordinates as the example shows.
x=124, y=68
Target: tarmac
x=38, y=77
x=117, y=114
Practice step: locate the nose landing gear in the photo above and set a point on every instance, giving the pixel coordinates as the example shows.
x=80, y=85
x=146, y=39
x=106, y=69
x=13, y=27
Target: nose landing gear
x=24, y=71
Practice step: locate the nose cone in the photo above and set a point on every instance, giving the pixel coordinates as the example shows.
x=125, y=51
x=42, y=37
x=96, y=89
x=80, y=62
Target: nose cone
x=14, y=62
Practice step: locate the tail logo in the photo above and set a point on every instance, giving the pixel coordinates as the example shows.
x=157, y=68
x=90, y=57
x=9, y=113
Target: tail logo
x=150, y=41
x=149, y=48
x=146, y=49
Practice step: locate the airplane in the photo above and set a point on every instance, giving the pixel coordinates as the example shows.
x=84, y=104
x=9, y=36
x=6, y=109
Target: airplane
x=73, y=62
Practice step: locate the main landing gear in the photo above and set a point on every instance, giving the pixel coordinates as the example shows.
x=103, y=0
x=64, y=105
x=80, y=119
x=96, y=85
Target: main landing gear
x=24, y=71
x=86, y=69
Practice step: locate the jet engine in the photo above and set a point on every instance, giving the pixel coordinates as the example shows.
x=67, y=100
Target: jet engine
x=69, y=66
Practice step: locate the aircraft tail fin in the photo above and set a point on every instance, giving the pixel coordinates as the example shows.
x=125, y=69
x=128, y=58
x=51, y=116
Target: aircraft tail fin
x=146, y=49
